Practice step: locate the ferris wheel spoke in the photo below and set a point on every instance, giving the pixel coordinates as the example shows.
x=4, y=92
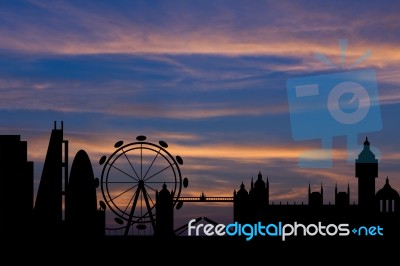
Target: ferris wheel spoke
x=146, y=200
x=160, y=182
x=129, y=203
x=150, y=188
x=112, y=165
x=129, y=161
x=151, y=165
x=141, y=204
x=152, y=202
x=122, y=182
x=144, y=215
x=159, y=171
x=122, y=193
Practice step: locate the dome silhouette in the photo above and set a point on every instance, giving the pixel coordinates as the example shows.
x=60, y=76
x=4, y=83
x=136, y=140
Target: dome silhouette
x=387, y=192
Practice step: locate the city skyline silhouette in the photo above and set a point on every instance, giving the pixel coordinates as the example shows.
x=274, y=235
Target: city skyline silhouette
x=234, y=88
x=66, y=203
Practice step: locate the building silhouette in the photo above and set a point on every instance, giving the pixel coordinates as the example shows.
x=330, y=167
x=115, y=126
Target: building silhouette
x=381, y=208
x=164, y=213
x=81, y=214
x=48, y=211
x=74, y=194
x=366, y=172
x=16, y=187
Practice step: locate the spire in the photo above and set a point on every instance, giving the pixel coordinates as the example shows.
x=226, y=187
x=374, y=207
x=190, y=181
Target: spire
x=267, y=190
x=348, y=193
x=335, y=190
x=259, y=175
x=251, y=184
x=322, y=194
x=366, y=155
x=242, y=186
x=366, y=144
x=387, y=180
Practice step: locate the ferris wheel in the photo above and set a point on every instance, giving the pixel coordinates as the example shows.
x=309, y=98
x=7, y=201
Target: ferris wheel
x=131, y=177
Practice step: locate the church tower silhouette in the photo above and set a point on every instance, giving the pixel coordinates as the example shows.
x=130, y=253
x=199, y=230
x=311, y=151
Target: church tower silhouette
x=366, y=172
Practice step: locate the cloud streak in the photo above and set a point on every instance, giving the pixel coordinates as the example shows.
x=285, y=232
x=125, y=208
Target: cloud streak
x=82, y=31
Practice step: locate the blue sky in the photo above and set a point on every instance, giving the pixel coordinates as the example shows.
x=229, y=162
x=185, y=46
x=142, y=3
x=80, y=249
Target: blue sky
x=207, y=77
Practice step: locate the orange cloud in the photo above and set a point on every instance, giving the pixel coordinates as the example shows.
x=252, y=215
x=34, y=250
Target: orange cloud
x=99, y=144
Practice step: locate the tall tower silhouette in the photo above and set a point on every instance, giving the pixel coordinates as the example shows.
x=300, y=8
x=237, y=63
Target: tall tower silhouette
x=366, y=172
x=241, y=205
x=16, y=187
x=81, y=214
x=258, y=197
x=48, y=211
x=164, y=213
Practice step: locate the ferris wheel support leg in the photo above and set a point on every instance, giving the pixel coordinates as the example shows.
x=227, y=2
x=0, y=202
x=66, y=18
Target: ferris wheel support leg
x=128, y=224
x=149, y=209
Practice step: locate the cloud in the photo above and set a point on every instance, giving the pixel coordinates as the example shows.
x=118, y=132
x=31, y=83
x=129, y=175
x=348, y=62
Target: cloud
x=195, y=148
x=299, y=31
x=78, y=98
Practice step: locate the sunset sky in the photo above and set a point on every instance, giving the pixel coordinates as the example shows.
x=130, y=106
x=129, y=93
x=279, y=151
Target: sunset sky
x=207, y=77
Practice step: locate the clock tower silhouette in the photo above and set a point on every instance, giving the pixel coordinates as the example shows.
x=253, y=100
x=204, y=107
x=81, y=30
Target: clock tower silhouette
x=366, y=172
